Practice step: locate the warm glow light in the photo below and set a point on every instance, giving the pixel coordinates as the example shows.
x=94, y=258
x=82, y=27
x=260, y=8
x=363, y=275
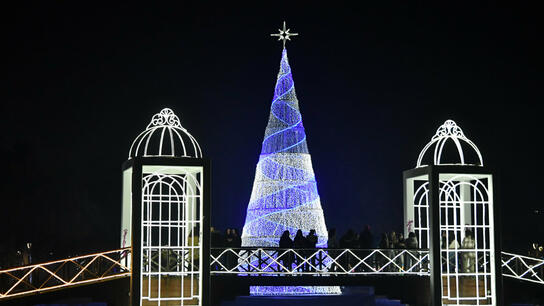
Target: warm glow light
x=52, y=275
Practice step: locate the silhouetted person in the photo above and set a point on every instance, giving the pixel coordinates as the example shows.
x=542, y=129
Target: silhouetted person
x=411, y=243
x=228, y=241
x=400, y=242
x=346, y=242
x=384, y=244
x=400, y=246
x=332, y=242
x=355, y=242
x=366, y=240
x=228, y=238
x=286, y=243
x=469, y=257
x=217, y=241
x=299, y=243
x=393, y=239
x=453, y=245
x=233, y=241
x=236, y=238
x=311, y=241
x=443, y=240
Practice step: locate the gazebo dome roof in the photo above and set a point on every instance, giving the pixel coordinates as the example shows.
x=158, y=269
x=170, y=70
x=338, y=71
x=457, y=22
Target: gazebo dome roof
x=165, y=137
x=449, y=131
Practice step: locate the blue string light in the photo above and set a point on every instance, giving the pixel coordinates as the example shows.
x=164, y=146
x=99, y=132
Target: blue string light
x=284, y=195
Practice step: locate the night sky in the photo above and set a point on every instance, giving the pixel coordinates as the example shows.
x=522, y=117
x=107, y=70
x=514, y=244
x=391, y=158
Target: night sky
x=373, y=85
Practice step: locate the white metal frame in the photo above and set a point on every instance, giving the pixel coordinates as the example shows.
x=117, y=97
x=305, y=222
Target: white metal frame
x=448, y=131
x=172, y=210
x=171, y=135
x=466, y=202
x=523, y=267
x=420, y=207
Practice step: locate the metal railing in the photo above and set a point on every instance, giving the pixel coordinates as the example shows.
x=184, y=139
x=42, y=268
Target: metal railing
x=274, y=261
x=523, y=267
x=59, y=274
x=37, y=278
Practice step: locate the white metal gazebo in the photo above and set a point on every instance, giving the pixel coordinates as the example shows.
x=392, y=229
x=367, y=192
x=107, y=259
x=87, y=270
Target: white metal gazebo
x=165, y=215
x=449, y=205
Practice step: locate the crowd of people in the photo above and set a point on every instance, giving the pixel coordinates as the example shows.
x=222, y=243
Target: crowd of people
x=365, y=240
x=230, y=239
x=360, y=243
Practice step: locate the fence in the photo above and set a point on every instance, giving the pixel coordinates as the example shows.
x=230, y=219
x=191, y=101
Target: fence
x=59, y=274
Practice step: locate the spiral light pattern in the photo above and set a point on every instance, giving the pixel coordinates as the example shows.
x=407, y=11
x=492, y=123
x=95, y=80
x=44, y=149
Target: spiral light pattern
x=284, y=195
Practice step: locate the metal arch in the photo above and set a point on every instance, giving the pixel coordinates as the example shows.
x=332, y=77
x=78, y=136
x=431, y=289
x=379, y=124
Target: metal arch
x=483, y=262
x=422, y=197
x=448, y=130
x=456, y=181
x=138, y=139
x=186, y=179
x=178, y=189
x=165, y=120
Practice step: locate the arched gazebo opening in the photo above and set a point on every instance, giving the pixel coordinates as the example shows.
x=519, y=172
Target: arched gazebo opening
x=449, y=205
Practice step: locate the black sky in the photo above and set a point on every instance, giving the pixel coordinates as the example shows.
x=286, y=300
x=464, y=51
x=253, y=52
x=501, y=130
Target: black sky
x=373, y=84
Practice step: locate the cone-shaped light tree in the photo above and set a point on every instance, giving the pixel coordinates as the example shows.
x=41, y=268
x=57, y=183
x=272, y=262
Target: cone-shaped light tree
x=284, y=195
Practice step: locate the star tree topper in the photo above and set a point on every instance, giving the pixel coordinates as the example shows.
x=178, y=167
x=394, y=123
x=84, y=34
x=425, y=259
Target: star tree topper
x=284, y=35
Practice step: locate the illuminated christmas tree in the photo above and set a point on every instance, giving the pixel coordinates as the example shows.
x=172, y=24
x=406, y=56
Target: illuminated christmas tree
x=284, y=195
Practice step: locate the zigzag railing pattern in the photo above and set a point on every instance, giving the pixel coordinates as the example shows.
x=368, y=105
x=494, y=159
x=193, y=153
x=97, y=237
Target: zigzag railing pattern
x=59, y=274
x=37, y=278
x=274, y=261
x=523, y=268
